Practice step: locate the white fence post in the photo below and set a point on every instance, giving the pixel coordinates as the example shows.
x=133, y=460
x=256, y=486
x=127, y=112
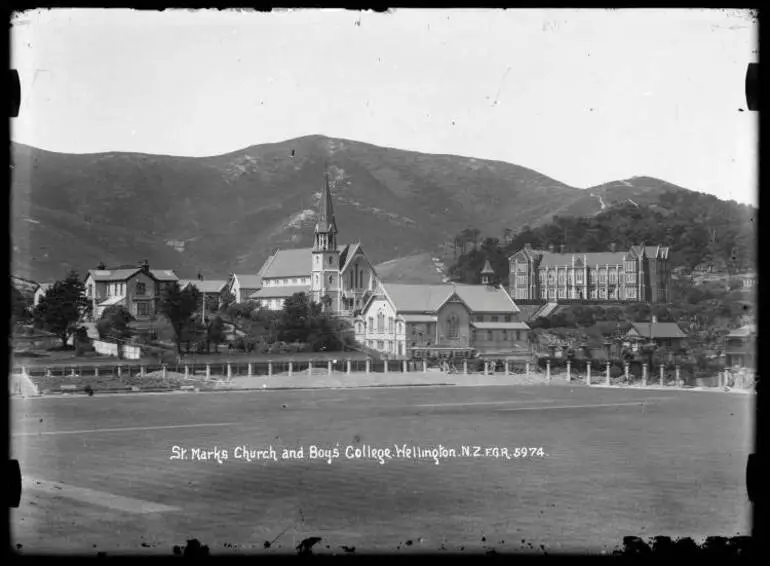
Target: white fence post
x=424, y=366
x=608, y=374
x=403, y=366
x=676, y=370
x=229, y=371
x=386, y=366
x=249, y=370
x=142, y=371
x=547, y=369
x=507, y=368
x=569, y=371
x=661, y=374
x=347, y=366
x=163, y=371
x=588, y=373
x=329, y=367
x=310, y=368
x=465, y=367
x=186, y=371
x=269, y=369
x=208, y=371
x=291, y=369
x=368, y=366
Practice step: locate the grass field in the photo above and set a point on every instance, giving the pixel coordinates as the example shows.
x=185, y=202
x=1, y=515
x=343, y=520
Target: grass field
x=99, y=474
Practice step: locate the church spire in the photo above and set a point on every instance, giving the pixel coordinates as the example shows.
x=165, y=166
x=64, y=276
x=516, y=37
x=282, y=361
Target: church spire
x=326, y=222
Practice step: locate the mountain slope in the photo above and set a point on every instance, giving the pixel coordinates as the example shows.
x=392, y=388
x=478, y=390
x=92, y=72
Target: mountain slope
x=221, y=214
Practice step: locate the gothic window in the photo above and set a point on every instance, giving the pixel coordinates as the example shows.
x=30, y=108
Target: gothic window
x=317, y=259
x=454, y=327
x=331, y=279
x=371, y=324
x=380, y=322
x=316, y=280
x=331, y=259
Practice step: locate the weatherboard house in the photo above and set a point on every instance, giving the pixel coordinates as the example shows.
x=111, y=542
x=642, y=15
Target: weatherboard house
x=339, y=275
x=136, y=289
x=448, y=320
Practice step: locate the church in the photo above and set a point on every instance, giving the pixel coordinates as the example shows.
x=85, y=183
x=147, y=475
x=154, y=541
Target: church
x=341, y=276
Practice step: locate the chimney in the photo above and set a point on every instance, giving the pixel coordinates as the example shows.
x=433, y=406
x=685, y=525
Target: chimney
x=561, y=248
x=145, y=266
x=550, y=248
x=101, y=266
x=613, y=247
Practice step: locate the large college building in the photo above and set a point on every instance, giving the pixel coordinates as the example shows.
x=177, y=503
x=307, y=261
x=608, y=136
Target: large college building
x=342, y=273
x=641, y=273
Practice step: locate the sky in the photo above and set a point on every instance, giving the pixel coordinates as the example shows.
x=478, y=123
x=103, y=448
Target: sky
x=583, y=96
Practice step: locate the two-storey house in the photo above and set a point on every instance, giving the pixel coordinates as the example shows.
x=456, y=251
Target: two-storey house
x=138, y=289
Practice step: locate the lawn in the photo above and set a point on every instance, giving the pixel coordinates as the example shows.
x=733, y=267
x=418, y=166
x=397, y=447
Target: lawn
x=613, y=463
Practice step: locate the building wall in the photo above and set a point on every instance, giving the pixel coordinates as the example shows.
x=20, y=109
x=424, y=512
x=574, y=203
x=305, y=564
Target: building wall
x=498, y=340
x=461, y=313
x=389, y=337
x=357, y=278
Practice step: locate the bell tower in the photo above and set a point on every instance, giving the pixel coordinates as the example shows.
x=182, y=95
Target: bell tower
x=325, y=273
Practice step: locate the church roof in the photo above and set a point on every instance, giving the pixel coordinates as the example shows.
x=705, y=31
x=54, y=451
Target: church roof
x=298, y=262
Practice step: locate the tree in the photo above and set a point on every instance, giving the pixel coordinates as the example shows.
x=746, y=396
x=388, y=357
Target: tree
x=20, y=311
x=114, y=323
x=178, y=306
x=63, y=305
x=227, y=301
x=296, y=319
x=215, y=333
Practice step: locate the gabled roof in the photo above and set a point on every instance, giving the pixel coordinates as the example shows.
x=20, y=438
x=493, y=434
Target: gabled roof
x=279, y=291
x=164, y=275
x=112, y=274
x=289, y=263
x=124, y=274
x=44, y=287
x=487, y=268
x=417, y=298
x=205, y=286
x=298, y=262
x=659, y=330
x=248, y=280
x=429, y=298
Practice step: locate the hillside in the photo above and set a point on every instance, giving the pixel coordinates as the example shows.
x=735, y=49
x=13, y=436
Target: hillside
x=220, y=214
x=416, y=269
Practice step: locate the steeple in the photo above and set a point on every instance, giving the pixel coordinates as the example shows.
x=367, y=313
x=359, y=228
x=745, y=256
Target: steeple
x=487, y=273
x=326, y=221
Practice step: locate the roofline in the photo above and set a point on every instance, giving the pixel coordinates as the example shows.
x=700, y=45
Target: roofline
x=508, y=296
x=451, y=294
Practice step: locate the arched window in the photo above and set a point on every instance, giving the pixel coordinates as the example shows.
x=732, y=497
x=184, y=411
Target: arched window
x=454, y=327
x=331, y=279
x=380, y=322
